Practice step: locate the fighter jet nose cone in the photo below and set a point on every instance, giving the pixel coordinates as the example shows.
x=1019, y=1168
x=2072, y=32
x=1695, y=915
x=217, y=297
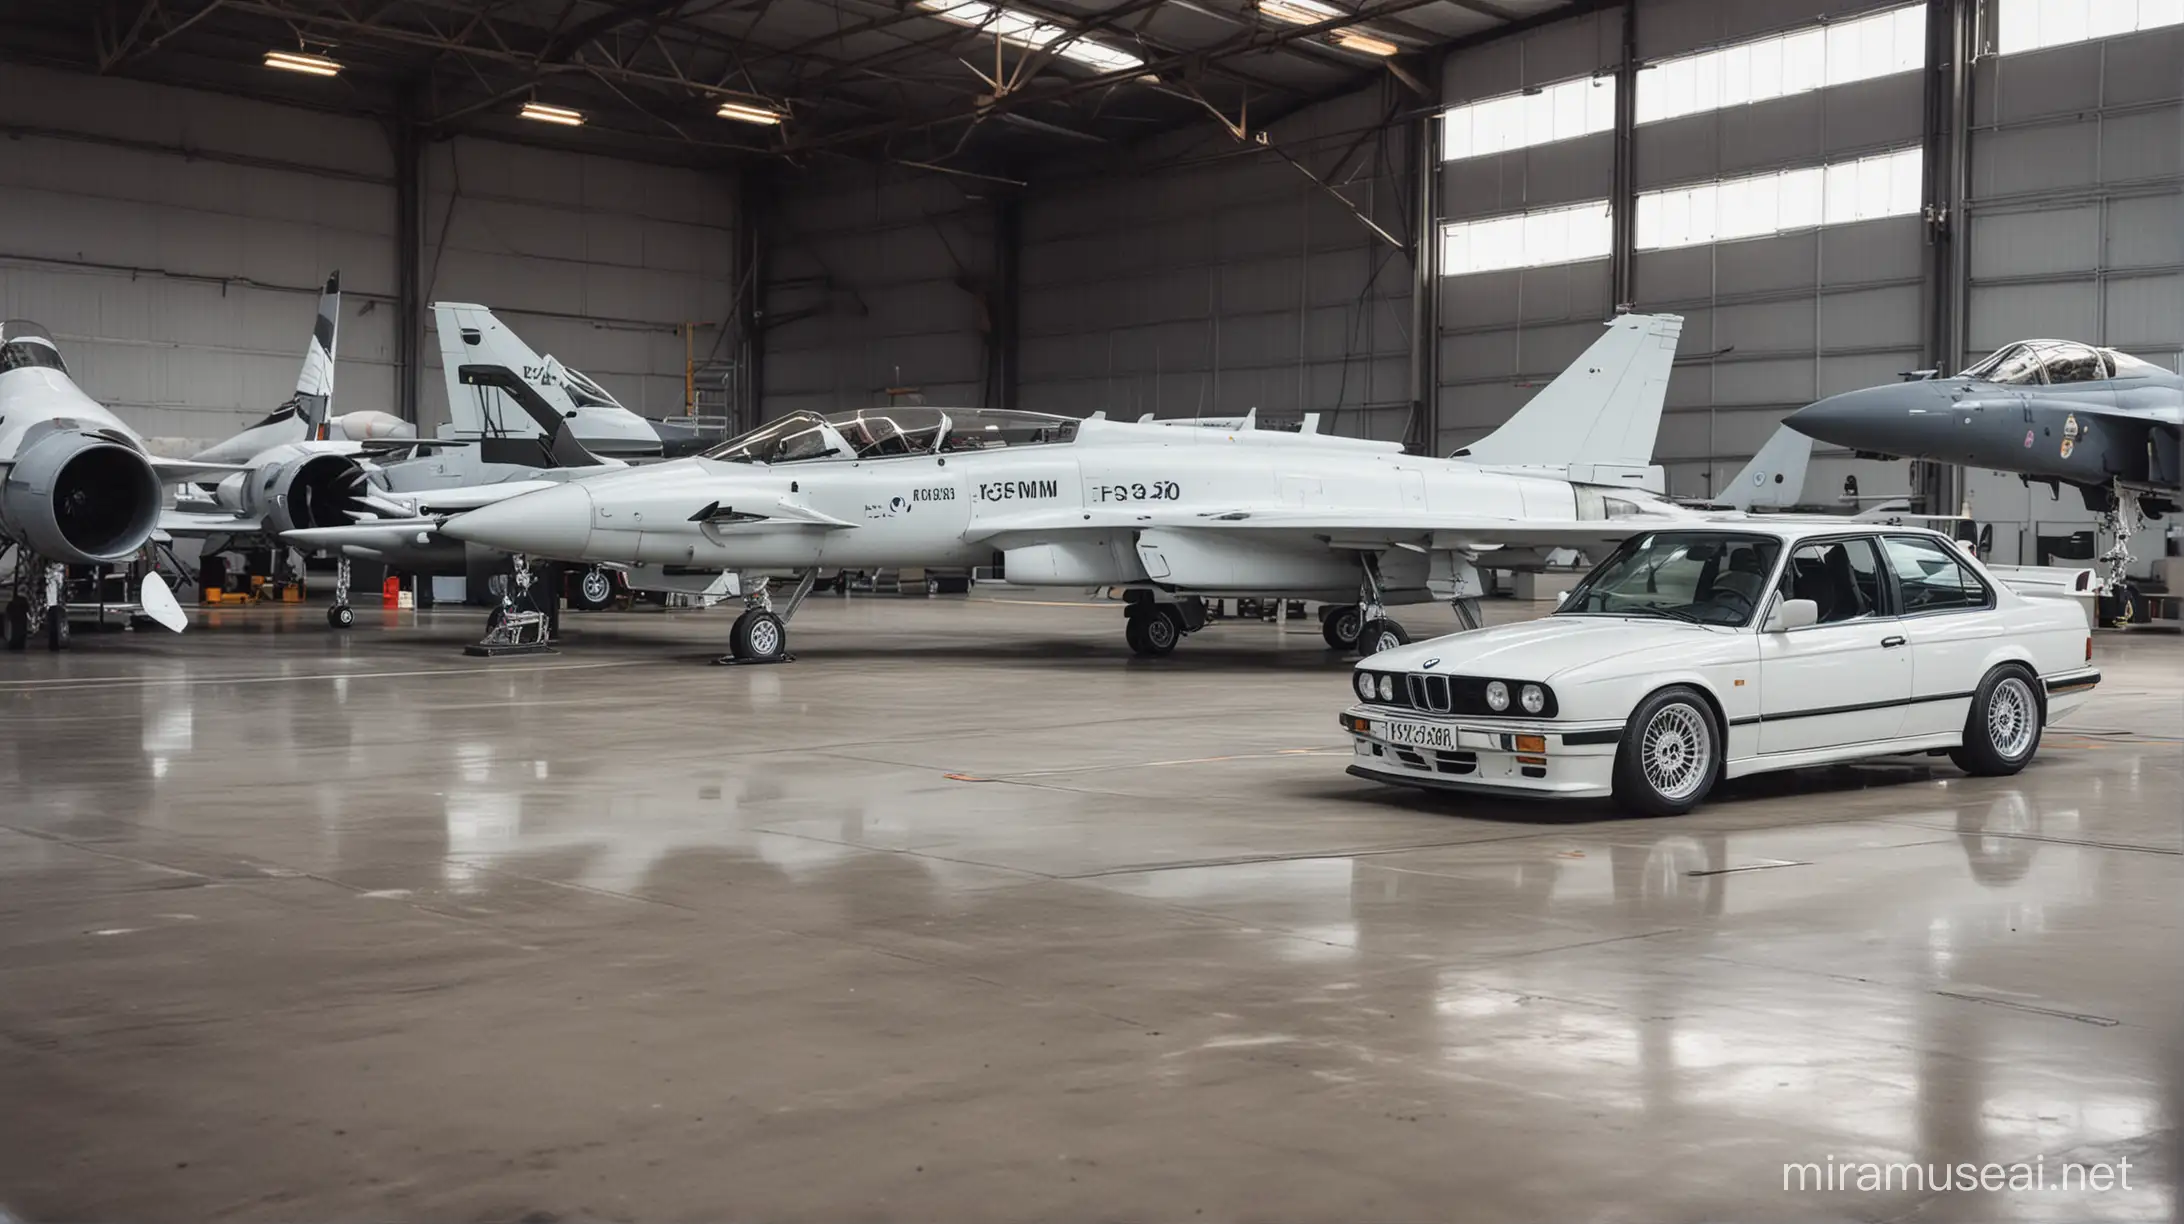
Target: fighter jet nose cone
x=552, y=522
x=1834, y=419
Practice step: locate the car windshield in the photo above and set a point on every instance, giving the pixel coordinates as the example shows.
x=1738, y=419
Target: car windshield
x=1712, y=578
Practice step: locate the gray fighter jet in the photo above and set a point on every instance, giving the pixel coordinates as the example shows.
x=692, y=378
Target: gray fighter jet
x=2054, y=411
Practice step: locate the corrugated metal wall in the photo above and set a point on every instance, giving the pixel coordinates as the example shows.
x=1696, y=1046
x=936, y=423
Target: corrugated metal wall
x=2076, y=223
x=877, y=281
x=175, y=243
x=597, y=261
x=1505, y=334
x=1219, y=278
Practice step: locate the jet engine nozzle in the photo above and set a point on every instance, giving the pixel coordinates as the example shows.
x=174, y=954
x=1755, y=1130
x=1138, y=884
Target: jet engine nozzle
x=311, y=490
x=81, y=497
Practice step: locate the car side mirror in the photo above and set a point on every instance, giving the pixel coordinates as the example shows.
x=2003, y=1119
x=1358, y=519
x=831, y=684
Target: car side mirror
x=1788, y=614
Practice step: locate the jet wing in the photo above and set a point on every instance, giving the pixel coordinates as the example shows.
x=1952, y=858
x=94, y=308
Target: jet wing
x=1367, y=530
x=187, y=471
x=192, y=525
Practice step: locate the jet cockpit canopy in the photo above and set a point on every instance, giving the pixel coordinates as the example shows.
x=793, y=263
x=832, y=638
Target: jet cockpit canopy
x=877, y=433
x=2052, y=362
x=25, y=344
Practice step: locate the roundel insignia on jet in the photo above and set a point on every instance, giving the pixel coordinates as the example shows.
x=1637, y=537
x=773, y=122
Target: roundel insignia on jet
x=900, y=505
x=2067, y=444
x=2028, y=439
x=2070, y=426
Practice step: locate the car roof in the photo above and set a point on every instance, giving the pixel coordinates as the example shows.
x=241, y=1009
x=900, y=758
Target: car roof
x=1797, y=527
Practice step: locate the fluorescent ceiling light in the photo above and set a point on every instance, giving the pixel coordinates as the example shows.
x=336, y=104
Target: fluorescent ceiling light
x=1299, y=12
x=745, y=113
x=1026, y=31
x=553, y=114
x=297, y=61
x=1358, y=40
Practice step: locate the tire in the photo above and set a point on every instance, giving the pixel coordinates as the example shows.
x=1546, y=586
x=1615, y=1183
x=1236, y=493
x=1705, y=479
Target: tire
x=56, y=628
x=2002, y=730
x=341, y=616
x=494, y=616
x=759, y=637
x=593, y=590
x=1154, y=634
x=1341, y=627
x=1670, y=756
x=1376, y=636
x=17, y=619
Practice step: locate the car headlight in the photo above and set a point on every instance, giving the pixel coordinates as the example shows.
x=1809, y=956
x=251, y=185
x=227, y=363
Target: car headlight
x=1497, y=696
x=1387, y=687
x=1533, y=697
x=1363, y=683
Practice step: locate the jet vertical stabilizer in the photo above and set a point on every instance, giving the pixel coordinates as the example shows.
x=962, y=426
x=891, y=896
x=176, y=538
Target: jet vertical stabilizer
x=1775, y=477
x=1604, y=411
x=303, y=417
x=472, y=339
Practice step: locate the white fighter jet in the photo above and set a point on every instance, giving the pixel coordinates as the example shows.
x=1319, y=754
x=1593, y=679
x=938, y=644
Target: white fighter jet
x=77, y=487
x=1171, y=512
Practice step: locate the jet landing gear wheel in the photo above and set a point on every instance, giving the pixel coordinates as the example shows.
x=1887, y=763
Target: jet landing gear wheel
x=56, y=627
x=1670, y=754
x=2002, y=731
x=1153, y=633
x=1379, y=635
x=593, y=591
x=1341, y=625
x=759, y=637
x=341, y=616
x=17, y=619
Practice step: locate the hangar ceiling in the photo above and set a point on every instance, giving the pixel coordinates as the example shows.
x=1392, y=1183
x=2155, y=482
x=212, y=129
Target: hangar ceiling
x=952, y=83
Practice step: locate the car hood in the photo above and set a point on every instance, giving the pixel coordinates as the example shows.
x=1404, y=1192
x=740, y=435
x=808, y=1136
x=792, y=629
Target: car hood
x=1539, y=649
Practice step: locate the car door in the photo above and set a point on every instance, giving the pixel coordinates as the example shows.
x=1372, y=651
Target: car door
x=1845, y=679
x=1948, y=619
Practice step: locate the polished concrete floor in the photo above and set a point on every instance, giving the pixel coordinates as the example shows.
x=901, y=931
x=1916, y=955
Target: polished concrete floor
x=968, y=915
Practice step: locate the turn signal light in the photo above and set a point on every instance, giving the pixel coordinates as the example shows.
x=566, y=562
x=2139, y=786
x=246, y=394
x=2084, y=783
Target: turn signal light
x=1531, y=743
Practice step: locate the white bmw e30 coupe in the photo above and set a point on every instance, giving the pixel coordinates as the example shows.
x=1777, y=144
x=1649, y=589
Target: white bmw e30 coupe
x=1709, y=652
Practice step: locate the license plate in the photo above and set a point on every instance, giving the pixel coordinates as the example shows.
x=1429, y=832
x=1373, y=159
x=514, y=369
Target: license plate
x=1416, y=735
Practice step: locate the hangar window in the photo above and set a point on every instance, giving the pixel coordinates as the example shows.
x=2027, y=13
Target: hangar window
x=2028, y=25
x=1884, y=185
x=1562, y=111
x=1527, y=240
x=1877, y=45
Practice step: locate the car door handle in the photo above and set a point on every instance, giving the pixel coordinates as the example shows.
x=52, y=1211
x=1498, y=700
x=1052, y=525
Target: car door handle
x=1890, y=643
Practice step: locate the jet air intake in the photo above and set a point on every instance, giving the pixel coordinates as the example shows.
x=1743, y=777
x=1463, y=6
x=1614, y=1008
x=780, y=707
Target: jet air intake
x=81, y=497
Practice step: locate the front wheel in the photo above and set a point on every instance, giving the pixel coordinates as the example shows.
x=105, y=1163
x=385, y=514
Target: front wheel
x=1380, y=635
x=341, y=616
x=17, y=619
x=56, y=627
x=593, y=590
x=759, y=637
x=1341, y=626
x=1153, y=634
x=2002, y=730
x=1670, y=754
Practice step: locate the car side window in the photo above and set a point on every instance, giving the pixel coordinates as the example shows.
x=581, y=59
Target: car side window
x=1841, y=577
x=1932, y=578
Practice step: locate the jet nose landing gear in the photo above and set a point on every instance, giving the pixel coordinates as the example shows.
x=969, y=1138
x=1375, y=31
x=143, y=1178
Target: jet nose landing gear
x=761, y=635
x=1154, y=629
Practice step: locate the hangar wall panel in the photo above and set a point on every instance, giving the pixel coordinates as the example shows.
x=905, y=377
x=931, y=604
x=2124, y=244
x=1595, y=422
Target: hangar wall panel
x=175, y=241
x=2076, y=226
x=1217, y=279
x=878, y=281
x=597, y=261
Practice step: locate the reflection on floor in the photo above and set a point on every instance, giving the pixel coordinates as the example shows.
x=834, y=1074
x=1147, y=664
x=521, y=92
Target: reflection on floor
x=298, y=926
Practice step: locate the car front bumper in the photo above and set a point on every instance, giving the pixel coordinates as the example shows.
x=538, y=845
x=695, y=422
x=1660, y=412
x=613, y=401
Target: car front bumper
x=1503, y=756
